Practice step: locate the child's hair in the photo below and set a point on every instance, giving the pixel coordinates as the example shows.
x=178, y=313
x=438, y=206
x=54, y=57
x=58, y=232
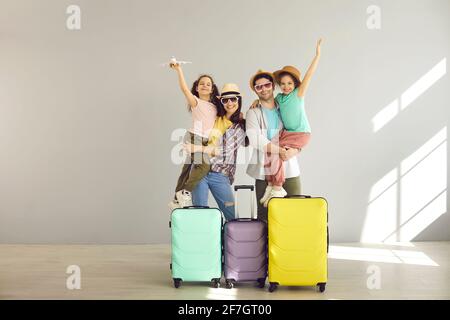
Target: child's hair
x=236, y=119
x=281, y=75
x=213, y=96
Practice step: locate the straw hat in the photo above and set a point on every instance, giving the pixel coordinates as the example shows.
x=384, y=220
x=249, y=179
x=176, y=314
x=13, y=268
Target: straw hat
x=230, y=89
x=260, y=72
x=293, y=71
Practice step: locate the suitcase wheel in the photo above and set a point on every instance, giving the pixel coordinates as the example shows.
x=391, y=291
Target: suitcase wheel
x=261, y=282
x=177, y=283
x=272, y=287
x=321, y=286
x=215, y=283
x=229, y=284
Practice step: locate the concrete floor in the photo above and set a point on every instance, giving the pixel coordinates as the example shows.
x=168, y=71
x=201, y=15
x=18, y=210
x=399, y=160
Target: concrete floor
x=419, y=270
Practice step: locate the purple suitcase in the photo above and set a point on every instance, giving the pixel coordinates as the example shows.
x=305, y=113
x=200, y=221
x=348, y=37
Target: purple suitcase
x=245, y=247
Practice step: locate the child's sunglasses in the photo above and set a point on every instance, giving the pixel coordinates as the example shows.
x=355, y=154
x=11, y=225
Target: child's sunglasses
x=260, y=87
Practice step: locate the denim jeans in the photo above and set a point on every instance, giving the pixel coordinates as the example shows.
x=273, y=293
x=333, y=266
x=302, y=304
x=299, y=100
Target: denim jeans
x=220, y=187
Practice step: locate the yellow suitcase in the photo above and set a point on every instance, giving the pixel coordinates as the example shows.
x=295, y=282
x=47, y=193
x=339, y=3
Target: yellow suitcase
x=298, y=242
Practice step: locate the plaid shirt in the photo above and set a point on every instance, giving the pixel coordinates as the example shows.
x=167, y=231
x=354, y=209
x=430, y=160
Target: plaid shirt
x=225, y=161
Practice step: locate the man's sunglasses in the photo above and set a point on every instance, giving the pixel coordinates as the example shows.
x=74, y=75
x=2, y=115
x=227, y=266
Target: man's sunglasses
x=260, y=87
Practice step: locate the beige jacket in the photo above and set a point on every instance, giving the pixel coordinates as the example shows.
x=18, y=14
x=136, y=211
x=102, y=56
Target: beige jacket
x=257, y=134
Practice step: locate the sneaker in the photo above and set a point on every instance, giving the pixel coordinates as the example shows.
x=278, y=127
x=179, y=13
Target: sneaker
x=184, y=198
x=275, y=194
x=266, y=194
x=174, y=205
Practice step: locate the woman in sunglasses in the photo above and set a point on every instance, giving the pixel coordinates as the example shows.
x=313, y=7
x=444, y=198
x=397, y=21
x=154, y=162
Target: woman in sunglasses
x=223, y=156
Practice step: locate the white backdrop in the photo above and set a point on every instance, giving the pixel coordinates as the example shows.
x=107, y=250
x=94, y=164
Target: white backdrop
x=86, y=116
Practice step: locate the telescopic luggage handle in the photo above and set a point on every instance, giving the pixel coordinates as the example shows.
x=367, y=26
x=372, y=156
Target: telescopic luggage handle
x=252, y=200
x=244, y=186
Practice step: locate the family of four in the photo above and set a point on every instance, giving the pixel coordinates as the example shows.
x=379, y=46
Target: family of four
x=276, y=127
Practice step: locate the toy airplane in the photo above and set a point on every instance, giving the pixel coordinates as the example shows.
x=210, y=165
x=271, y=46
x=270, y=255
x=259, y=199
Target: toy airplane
x=173, y=60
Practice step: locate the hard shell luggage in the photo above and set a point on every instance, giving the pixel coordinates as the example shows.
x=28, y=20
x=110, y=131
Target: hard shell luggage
x=245, y=247
x=196, y=245
x=298, y=242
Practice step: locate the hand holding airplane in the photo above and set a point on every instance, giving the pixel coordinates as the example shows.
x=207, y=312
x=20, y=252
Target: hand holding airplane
x=173, y=62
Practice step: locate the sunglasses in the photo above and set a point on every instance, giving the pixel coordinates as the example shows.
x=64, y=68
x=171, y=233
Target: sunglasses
x=260, y=87
x=231, y=99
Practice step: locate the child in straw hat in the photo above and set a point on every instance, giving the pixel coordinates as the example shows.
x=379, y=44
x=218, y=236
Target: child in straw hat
x=297, y=132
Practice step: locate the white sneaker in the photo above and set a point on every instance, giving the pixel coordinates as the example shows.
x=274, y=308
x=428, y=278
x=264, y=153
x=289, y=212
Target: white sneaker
x=184, y=198
x=266, y=194
x=275, y=194
x=174, y=205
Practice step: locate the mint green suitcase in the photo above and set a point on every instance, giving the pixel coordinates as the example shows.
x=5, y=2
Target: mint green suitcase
x=196, y=245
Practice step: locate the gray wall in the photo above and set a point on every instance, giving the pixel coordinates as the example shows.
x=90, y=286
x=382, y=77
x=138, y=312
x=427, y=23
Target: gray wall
x=86, y=116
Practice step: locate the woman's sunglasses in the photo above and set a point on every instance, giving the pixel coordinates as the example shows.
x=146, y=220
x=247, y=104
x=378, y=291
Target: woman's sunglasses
x=260, y=87
x=231, y=99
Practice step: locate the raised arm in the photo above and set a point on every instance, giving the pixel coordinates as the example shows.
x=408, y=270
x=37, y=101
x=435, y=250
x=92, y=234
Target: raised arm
x=308, y=75
x=190, y=98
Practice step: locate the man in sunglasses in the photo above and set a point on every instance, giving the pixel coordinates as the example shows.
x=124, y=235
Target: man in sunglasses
x=263, y=123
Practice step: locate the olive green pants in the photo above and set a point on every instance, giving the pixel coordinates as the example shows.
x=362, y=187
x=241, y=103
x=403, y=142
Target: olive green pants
x=291, y=185
x=196, y=166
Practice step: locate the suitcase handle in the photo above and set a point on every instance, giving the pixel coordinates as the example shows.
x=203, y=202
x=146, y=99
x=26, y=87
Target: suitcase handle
x=245, y=219
x=196, y=207
x=297, y=196
x=244, y=186
x=252, y=201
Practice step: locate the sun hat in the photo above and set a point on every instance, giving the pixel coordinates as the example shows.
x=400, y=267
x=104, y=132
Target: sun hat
x=230, y=89
x=258, y=73
x=293, y=71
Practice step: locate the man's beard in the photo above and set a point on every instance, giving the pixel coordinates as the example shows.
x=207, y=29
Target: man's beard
x=269, y=98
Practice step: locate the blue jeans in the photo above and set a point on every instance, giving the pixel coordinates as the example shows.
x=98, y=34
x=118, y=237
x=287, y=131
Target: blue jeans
x=220, y=187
